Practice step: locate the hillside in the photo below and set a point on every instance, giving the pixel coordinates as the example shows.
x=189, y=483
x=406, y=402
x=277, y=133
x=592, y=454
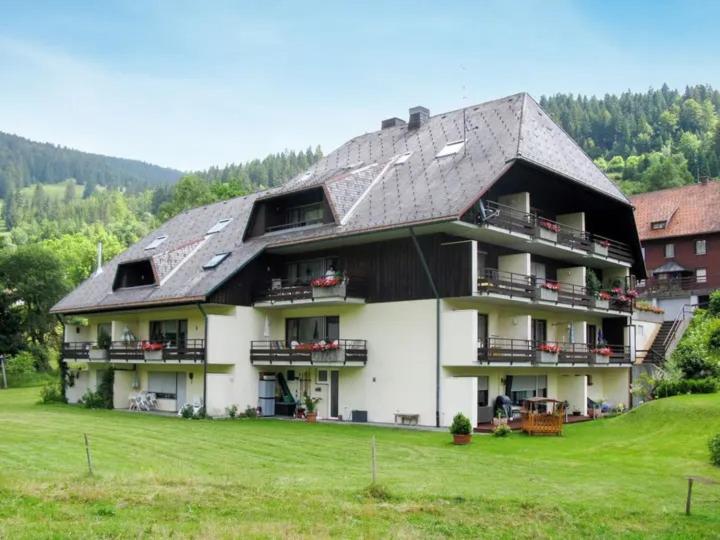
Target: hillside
x=646, y=141
x=24, y=162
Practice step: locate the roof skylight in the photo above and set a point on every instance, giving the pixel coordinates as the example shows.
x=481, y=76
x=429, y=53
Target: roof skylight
x=658, y=224
x=219, y=226
x=216, y=260
x=402, y=158
x=155, y=243
x=451, y=148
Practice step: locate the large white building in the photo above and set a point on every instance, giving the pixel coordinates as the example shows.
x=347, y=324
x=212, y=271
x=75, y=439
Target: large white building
x=425, y=268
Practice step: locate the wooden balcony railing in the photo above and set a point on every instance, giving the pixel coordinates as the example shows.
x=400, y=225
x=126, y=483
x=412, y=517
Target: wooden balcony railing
x=340, y=352
x=513, y=284
x=533, y=224
x=189, y=350
x=525, y=351
x=672, y=286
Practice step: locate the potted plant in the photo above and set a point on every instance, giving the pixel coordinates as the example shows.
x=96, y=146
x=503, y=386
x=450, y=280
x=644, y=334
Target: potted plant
x=461, y=429
x=600, y=246
x=602, y=355
x=548, y=291
x=310, y=408
x=548, y=230
x=547, y=353
x=332, y=285
x=152, y=350
x=101, y=351
x=499, y=418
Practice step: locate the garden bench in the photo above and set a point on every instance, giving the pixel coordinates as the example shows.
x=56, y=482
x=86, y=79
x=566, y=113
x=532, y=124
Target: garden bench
x=407, y=419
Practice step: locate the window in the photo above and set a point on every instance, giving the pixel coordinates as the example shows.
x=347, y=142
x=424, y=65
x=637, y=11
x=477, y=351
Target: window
x=312, y=329
x=524, y=387
x=700, y=247
x=155, y=243
x=172, y=332
x=163, y=384
x=302, y=272
x=482, y=391
x=219, y=226
x=216, y=260
x=592, y=335
x=655, y=225
x=308, y=214
x=402, y=158
x=104, y=328
x=539, y=330
x=322, y=376
x=482, y=329
x=134, y=274
x=669, y=251
x=451, y=148
x=701, y=275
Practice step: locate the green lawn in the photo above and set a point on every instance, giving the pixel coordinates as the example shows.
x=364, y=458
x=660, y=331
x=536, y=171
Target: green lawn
x=161, y=476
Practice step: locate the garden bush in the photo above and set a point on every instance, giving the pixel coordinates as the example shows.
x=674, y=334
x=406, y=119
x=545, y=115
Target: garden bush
x=93, y=400
x=501, y=430
x=461, y=425
x=669, y=388
x=714, y=305
x=714, y=445
x=52, y=393
x=21, y=365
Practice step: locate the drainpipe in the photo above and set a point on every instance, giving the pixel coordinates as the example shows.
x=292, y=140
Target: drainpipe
x=63, y=364
x=205, y=362
x=426, y=269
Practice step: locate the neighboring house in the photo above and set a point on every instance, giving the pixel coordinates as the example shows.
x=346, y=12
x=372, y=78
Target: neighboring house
x=680, y=234
x=425, y=269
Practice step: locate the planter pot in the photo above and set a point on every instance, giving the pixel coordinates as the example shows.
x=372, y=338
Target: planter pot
x=311, y=417
x=153, y=355
x=599, y=249
x=499, y=421
x=600, y=304
x=327, y=292
x=546, y=234
x=601, y=359
x=547, y=295
x=327, y=357
x=98, y=354
x=462, y=438
x=547, y=357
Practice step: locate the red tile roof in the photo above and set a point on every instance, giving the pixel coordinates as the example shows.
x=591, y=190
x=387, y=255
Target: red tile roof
x=689, y=210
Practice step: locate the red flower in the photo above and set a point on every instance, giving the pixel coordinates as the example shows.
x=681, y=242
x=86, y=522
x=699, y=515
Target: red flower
x=549, y=225
x=152, y=346
x=552, y=348
x=604, y=295
x=603, y=351
x=326, y=282
x=631, y=293
x=551, y=285
x=604, y=243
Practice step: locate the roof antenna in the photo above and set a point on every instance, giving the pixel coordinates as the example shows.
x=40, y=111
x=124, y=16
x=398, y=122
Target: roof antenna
x=99, y=269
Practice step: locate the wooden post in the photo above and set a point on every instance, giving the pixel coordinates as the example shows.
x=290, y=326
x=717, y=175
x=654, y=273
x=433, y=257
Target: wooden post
x=373, y=467
x=689, y=497
x=2, y=365
x=89, y=457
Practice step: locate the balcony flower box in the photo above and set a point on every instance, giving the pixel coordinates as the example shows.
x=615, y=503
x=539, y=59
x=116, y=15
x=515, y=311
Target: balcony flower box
x=547, y=353
x=548, y=292
x=329, y=287
x=600, y=247
x=602, y=355
x=548, y=230
x=152, y=350
x=98, y=354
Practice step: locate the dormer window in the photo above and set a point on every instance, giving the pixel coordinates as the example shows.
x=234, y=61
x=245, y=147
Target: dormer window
x=656, y=225
x=155, y=243
x=134, y=274
x=219, y=226
x=302, y=208
x=451, y=148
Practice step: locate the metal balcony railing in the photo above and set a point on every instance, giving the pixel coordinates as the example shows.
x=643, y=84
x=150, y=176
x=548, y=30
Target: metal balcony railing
x=188, y=350
x=525, y=351
x=338, y=351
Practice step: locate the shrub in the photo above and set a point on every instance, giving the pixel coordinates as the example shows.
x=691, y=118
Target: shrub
x=250, y=412
x=714, y=445
x=105, y=387
x=232, y=411
x=714, y=305
x=714, y=340
x=669, y=388
x=186, y=411
x=693, y=360
x=501, y=430
x=93, y=400
x=460, y=425
x=592, y=282
x=52, y=393
x=199, y=414
x=20, y=365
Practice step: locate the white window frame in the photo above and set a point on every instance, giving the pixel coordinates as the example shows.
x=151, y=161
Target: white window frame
x=701, y=275
x=671, y=249
x=657, y=225
x=702, y=243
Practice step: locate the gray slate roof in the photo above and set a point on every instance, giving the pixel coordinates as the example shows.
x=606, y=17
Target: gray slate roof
x=366, y=190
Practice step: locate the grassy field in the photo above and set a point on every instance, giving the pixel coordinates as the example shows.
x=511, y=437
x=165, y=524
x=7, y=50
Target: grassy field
x=161, y=476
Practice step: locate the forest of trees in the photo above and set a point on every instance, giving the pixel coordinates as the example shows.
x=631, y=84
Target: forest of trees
x=646, y=141
x=24, y=162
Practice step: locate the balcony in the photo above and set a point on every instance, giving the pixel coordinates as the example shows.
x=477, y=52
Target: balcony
x=670, y=287
x=190, y=351
x=340, y=352
x=323, y=290
x=530, y=232
x=548, y=293
x=508, y=351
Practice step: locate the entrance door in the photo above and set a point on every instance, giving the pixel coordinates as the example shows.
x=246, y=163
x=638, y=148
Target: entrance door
x=334, y=391
x=482, y=330
x=181, y=392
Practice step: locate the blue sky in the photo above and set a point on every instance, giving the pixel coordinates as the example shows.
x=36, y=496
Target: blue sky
x=195, y=84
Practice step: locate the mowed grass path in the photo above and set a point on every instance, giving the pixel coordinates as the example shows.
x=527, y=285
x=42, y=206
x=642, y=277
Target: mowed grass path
x=160, y=477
